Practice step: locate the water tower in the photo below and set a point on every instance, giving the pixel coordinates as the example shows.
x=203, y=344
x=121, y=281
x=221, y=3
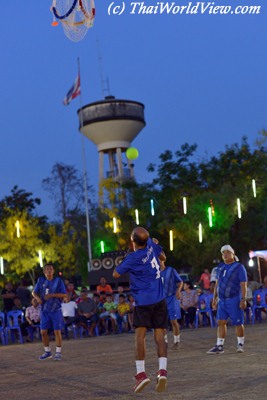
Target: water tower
x=112, y=125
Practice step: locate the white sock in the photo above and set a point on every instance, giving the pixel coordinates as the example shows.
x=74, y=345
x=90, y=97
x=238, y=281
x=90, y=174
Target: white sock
x=176, y=338
x=220, y=342
x=166, y=338
x=163, y=363
x=58, y=349
x=47, y=349
x=140, y=366
x=241, y=340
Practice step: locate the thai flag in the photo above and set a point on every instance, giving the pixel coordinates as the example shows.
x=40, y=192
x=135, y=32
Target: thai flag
x=74, y=91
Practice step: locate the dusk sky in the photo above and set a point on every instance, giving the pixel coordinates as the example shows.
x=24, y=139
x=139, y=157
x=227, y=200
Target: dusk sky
x=201, y=77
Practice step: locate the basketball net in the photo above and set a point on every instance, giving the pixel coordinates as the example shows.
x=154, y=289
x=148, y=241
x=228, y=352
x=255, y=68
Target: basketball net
x=76, y=17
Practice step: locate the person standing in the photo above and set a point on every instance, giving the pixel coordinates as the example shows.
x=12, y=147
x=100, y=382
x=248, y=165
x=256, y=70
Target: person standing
x=150, y=311
x=230, y=298
x=49, y=291
x=172, y=283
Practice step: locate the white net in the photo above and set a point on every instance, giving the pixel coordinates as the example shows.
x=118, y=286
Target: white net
x=76, y=17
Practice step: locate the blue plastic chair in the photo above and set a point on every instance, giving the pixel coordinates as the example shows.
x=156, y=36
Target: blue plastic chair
x=14, y=318
x=204, y=307
x=259, y=302
x=2, y=328
x=34, y=328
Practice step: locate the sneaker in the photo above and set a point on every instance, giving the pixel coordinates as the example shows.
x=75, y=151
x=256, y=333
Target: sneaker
x=57, y=357
x=175, y=346
x=240, y=348
x=46, y=355
x=216, y=350
x=161, y=380
x=141, y=381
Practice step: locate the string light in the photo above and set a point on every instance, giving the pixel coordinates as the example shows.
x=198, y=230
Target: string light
x=210, y=216
x=1, y=265
x=102, y=246
x=40, y=258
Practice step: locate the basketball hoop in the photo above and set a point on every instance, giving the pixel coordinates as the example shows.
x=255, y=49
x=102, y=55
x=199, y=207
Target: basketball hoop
x=76, y=17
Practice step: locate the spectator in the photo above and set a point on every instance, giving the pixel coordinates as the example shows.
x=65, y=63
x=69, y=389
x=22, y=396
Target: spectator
x=130, y=313
x=79, y=298
x=69, y=308
x=204, y=280
x=122, y=312
x=189, y=302
x=32, y=318
x=87, y=311
x=117, y=295
x=17, y=304
x=24, y=294
x=71, y=291
x=109, y=313
x=8, y=294
x=103, y=286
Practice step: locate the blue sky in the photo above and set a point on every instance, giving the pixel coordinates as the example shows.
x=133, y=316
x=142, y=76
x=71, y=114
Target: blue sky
x=202, y=79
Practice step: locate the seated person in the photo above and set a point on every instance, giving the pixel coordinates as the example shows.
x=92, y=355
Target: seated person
x=122, y=312
x=109, y=312
x=189, y=302
x=87, y=312
x=32, y=316
x=69, y=310
x=103, y=286
x=71, y=291
x=117, y=295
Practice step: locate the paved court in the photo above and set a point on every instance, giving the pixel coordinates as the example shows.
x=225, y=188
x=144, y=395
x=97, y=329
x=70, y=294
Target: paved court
x=103, y=367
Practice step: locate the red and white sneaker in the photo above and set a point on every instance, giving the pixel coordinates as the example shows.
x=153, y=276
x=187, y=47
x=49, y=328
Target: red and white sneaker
x=161, y=380
x=141, y=381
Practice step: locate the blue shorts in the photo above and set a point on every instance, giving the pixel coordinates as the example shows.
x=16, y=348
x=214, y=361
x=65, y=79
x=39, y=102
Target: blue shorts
x=174, y=308
x=230, y=308
x=51, y=320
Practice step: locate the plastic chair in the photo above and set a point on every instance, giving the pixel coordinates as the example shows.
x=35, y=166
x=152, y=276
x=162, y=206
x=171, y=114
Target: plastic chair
x=14, y=318
x=2, y=328
x=204, y=307
x=259, y=303
x=33, y=328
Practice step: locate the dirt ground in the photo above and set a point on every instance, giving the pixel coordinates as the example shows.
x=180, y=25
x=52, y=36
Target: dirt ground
x=103, y=368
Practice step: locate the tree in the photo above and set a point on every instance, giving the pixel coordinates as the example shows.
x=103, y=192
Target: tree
x=65, y=186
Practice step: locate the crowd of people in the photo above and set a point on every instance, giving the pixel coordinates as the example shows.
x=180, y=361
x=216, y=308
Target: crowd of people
x=157, y=299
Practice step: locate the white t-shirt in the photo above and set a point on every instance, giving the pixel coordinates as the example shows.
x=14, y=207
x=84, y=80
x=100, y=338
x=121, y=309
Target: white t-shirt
x=68, y=309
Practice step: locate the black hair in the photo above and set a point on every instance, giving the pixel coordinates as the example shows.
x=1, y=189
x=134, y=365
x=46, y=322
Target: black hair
x=138, y=240
x=189, y=283
x=122, y=295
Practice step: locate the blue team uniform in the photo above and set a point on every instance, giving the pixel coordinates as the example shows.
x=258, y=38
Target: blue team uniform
x=144, y=269
x=51, y=314
x=229, y=277
x=170, y=278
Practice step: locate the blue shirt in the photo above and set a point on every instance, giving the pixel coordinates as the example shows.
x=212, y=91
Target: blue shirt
x=44, y=286
x=229, y=277
x=170, y=278
x=144, y=269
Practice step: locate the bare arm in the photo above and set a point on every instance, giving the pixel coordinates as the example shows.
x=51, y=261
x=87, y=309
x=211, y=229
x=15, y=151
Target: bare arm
x=37, y=297
x=56, y=295
x=243, y=302
x=116, y=274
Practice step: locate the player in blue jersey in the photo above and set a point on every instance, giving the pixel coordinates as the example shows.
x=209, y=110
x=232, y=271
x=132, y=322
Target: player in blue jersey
x=49, y=291
x=172, y=283
x=150, y=306
x=230, y=294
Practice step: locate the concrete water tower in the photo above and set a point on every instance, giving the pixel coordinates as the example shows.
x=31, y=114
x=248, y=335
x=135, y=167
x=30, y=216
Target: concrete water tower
x=112, y=125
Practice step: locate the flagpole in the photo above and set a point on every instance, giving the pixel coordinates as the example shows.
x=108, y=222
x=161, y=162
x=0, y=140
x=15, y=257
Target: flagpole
x=85, y=183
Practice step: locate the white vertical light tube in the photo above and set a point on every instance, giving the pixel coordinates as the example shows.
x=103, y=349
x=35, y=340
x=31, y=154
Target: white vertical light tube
x=18, y=229
x=40, y=258
x=136, y=217
x=171, y=240
x=200, y=233
x=152, y=209
x=239, y=214
x=2, y=266
x=254, y=188
x=184, y=205
x=114, y=225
